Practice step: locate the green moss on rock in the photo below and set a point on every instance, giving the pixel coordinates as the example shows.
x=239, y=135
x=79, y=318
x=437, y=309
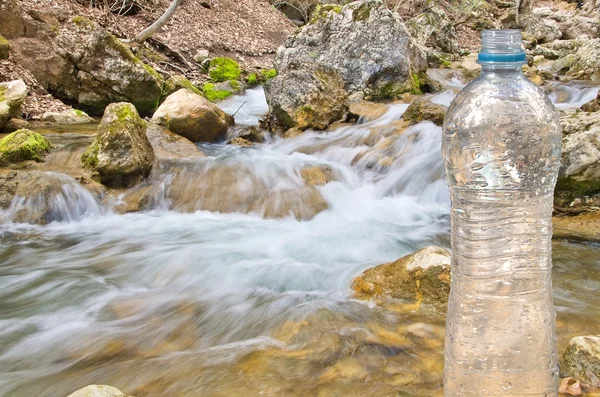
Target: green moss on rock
x=323, y=11
x=214, y=95
x=89, y=159
x=252, y=79
x=269, y=74
x=224, y=69
x=4, y=48
x=362, y=13
x=23, y=145
x=177, y=82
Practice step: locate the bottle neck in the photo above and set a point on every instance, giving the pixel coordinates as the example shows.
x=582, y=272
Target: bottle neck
x=502, y=68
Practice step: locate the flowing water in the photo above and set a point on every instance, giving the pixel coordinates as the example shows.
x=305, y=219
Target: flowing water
x=234, y=280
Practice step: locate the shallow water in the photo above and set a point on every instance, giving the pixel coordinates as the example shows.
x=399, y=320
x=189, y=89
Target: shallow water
x=170, y=302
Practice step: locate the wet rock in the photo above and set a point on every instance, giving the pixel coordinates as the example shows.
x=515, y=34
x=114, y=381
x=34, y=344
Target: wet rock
x=434, y=29
x=540, y=29
x=70, y=117
x=177, y=82
x=593, y=105
x=584, y=227
x=15, y=124
x=570, y=386
x=317, y=175
x=238, y=141
x=469, y=67
x=582, y=359
x=580, y=165
x=85, y=63
x=168, y=145
x=248, y=132
x=219, y=91
x=38, y=197
x=4, y=48
x=121, y=155
x=193, y=117
x=23, y=145
x=328, y=54
x=140, y=198
x=307, y=97
x=98, y=391
x=302, y=203
x=424, y=110
x=367, y=110
x=423, y=276
x=12, y=95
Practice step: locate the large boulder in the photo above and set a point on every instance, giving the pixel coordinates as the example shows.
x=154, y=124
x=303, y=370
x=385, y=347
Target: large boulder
x=580, y=169
x=82, y=62
x=363, y=45
x=168, y=145
x=193, y=117
x=307, y=97
x=98, y=391
x=12, y=95
x=68, y=117
x=421, y=277
x=582, y=359
x=23, y=145
x=434, y=29
x=121, y=155
x=540, y=29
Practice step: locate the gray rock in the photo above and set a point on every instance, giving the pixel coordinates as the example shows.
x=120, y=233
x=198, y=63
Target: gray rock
x=337, y=38
x=582, y=359
x=201, y=55
x=72, y=116
x=12, y=95
x=580, y=168
x=121, y=155
x=87, y=64
x=308, y=97
x=434, y=29
x=587, y=60
x=334, y=43
x=577, y=25
x=193, y=117
x=541, y=29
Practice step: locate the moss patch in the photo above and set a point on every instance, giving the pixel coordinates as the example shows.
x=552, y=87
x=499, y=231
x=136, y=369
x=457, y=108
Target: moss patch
x=252, y=79
x=4, y=48
x=23, y=145
x=223, y=69
x=323, y=11
x=214, y=95
x=179, y=81
x=362, y=13
x=269, y=74
x=89, y=159
x=82, y=22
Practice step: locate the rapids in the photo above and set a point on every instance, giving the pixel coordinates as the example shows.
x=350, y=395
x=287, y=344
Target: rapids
x=242, y=289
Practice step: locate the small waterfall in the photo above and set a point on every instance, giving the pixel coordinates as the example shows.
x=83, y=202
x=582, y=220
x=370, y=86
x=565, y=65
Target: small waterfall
x=44, y=197
x=572, y=95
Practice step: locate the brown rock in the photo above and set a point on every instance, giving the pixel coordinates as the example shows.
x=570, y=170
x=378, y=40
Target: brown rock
x=424, y=110
x=423, y=276
x=15, y=124
x=317, y=175
x=168, y=145
x=193, y=117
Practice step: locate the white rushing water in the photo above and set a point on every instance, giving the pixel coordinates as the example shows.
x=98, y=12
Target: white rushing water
x=63, y=283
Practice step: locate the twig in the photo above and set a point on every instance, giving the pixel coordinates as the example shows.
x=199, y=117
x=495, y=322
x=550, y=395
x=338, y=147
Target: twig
x=172, y=65
x=171, y=50
x=239, y=109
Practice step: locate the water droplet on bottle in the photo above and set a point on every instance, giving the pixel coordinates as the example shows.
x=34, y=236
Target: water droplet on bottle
x=478, y=103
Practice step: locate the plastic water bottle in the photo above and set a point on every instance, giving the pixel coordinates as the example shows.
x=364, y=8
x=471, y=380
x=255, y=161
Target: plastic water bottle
x=501, y=147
